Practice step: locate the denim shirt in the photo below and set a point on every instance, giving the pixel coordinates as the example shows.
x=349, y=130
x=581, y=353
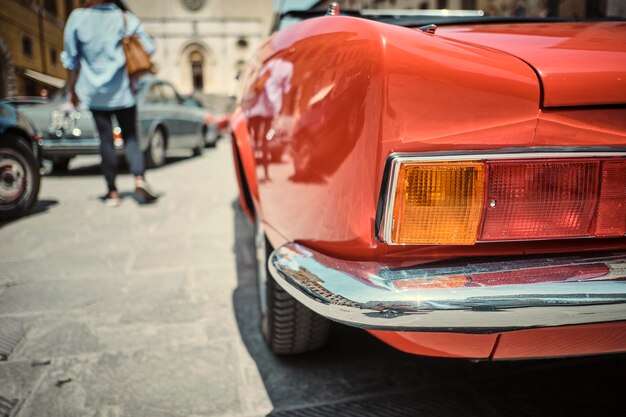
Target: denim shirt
x=93, y=43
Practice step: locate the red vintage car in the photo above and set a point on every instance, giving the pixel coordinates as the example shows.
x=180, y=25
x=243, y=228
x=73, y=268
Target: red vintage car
x=454, y=186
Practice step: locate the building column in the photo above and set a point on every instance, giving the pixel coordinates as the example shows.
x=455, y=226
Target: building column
x=7, y=70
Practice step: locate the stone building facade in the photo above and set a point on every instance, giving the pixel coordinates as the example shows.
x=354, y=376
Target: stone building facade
x=566, y=8
x=31, y=41
x=203, y=44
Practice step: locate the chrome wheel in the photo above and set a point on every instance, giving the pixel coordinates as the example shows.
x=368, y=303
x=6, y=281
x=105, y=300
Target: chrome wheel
x=13, y=180
x=156, y=152
x=19, y=177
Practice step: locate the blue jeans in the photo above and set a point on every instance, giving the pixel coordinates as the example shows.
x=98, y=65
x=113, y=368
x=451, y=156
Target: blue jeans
x=127, y=119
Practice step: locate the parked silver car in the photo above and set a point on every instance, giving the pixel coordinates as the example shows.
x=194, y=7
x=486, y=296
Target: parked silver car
x=164, y=123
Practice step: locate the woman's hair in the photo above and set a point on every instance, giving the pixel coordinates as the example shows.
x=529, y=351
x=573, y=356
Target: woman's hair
x=119, y=3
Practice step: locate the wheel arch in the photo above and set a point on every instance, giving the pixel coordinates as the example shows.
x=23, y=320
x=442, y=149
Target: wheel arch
x=166, y=134
x=244, y=166
x=156, y=124
x=23, y=136
x=17, y=132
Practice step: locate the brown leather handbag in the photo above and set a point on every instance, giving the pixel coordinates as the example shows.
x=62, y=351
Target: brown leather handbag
x=138, y=61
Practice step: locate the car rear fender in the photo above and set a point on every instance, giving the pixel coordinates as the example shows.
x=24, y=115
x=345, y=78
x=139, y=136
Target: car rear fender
x=21, y=135
x=313, y=94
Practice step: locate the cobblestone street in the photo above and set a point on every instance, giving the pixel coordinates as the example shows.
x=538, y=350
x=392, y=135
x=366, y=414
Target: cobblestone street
x=151, y=310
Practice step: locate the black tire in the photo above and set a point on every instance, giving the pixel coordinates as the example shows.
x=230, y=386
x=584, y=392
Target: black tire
x=199, y=149
x=207, y=140
x=19, y=177
x=155, y=154
x=61, y=165
x=287, y=325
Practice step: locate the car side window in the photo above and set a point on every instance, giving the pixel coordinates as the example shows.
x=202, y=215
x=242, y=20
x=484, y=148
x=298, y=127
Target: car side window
x=169, y=94
x=154, y=94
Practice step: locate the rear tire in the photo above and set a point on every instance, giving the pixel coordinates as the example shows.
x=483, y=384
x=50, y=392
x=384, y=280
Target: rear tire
x=199, y=149
x=19, y=177
x=287, y=325
x=208, y=143
x=155, y=154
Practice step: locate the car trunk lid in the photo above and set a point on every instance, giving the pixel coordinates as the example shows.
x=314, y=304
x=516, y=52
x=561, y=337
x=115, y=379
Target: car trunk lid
x=578, y=64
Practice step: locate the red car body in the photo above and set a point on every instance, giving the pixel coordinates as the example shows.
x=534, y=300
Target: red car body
x=361, y=92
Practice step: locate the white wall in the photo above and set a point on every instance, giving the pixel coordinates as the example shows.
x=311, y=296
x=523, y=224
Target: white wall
x=213, y=30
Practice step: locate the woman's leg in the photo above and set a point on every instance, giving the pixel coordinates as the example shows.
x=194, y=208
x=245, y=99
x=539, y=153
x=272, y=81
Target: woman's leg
x=107, y=152
x=127, y=118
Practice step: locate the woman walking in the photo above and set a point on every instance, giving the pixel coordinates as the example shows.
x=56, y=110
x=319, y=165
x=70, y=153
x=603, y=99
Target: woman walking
x=99, y=81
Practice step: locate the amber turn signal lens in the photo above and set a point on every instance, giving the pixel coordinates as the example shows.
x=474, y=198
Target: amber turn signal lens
x=438, y=203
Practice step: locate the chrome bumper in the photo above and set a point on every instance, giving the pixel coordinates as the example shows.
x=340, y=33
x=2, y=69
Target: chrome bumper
x=72, y=147
x=494, y=296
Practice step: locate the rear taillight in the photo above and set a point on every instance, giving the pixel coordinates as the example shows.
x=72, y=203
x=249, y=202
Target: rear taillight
x=540, y=199
x=503, y=198
x=438, y=203
x=611, y=216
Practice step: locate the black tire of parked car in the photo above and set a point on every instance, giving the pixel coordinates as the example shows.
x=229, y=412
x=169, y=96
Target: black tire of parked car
x=199, y=149
x=206, y=137
x=16, y=154
x=288, y=326
x=155, y=154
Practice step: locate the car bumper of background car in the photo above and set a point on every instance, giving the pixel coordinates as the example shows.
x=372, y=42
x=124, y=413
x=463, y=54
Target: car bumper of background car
x=72, y=147
x=524, y=307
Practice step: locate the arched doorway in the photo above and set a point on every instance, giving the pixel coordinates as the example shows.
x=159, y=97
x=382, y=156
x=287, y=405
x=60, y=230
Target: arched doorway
x=7, y=73
x=196, y=68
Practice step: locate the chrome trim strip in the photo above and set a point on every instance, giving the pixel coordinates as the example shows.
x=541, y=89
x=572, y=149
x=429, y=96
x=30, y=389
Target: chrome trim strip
x=364, y=294
x=396, y=159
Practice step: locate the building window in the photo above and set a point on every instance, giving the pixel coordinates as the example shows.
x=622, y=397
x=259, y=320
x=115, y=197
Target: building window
x=242, y=43
x=27, y=46
x=194, y=5
x=197, y=70
x=54, y=57
x=51, y=7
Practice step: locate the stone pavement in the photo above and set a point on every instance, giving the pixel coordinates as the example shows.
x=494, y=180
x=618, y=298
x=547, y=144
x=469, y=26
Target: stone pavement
x=126, y=311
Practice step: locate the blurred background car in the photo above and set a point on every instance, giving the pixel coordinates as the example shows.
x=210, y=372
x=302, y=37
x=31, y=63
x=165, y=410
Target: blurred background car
x=20, y=163
x=212, y=134
x=165, y=122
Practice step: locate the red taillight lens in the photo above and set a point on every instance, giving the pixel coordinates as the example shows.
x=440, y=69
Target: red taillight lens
x=540, y=199
x=611, y=218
